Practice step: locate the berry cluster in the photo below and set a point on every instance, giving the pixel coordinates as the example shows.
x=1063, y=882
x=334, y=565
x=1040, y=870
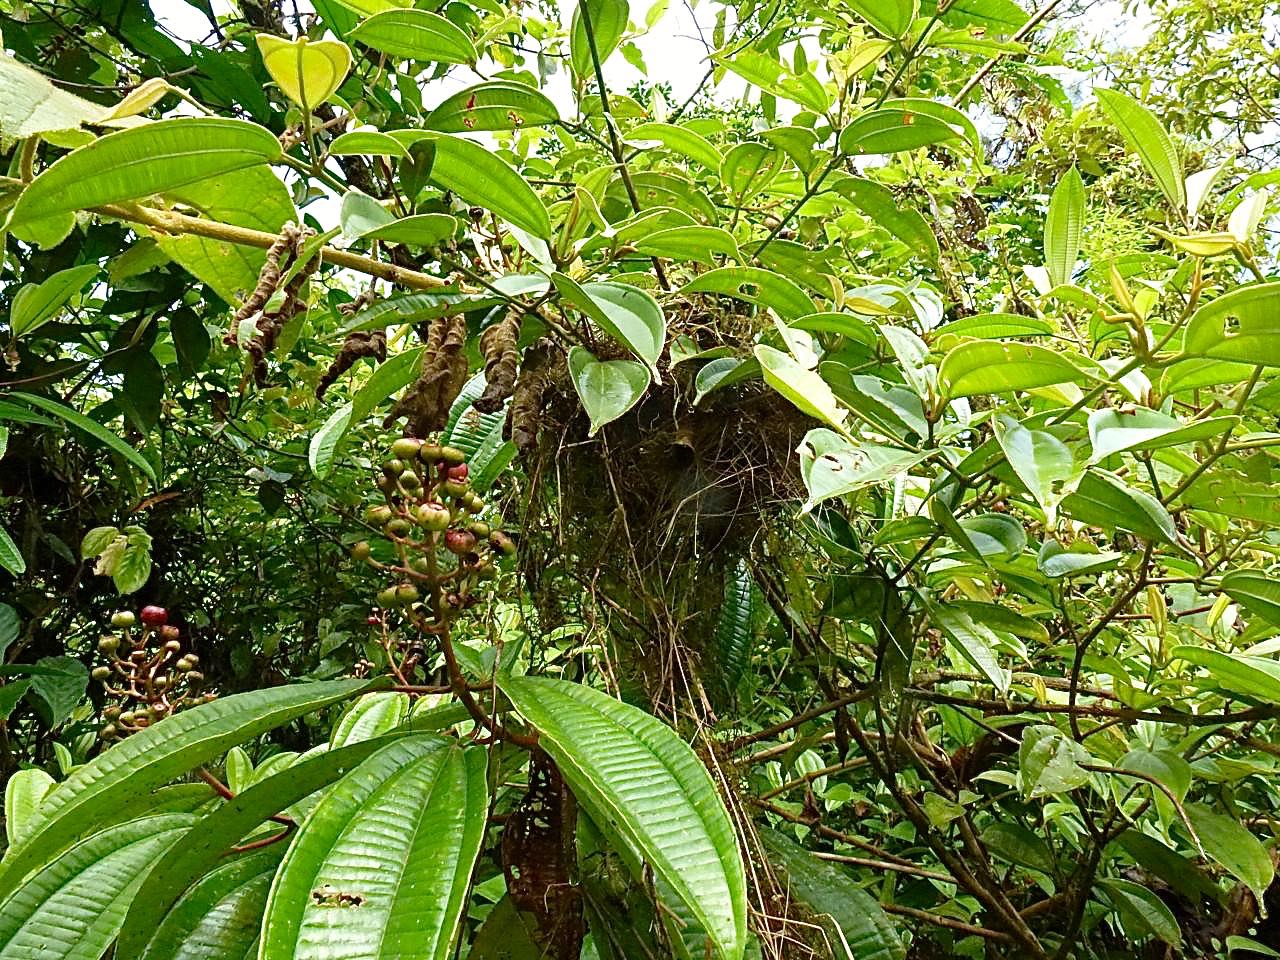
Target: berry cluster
x=430, y=518
x=147, y=673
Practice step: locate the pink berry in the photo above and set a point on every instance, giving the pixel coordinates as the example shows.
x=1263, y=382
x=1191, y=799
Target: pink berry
x=154, y=616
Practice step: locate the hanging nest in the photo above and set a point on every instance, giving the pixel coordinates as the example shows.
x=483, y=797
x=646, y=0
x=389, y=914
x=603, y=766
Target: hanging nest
x=649, y=512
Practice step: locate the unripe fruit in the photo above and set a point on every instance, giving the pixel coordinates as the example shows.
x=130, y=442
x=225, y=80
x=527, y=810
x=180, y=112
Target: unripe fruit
x=479, y=528
x=170, y=632
x=387, y=597
x=406, y=447
x=407, y=593
x=410, y=480
x=123, y=618
x=453, y=488
x=398, y=527
x=452, y=455
x=429, y=452
x=420, y=564
x=142, y=721
x=195, y=676
x=185, y=664
x=361, y=550
x=378, y=514
x=460, y=542
x=459, y=472
x=393, y=467
x=109, y=644
x=101, y=673
x=108, y=732
x=173, y=646
x=433, y=516
x=502, y=543
x=485, y=570
x=473, y=503
x=111, y=713
x=128, y=717
x=154, y=616
x=385, y=484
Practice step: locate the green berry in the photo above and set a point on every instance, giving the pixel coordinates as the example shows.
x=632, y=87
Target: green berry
x=101, y=673
x=378, y=514
x=109, y=644
x=452, y=455
x=123, y=618
x=453, y=488
x=108, y=732
x=398, y=527
x=393, y=467
x=406, y=448
x=387, y=597
x=361, y=551
x=479, y=528
x=406, y=593
x=429, y=453
x=433, y=516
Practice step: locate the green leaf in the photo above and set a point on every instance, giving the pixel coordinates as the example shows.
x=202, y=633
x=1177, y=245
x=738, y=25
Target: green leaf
x=1049, y=763
x=608, y=23
x=628, y=314
x=851, y=917
x=1018, y=845
x=1233, y=847
x=1103, y=500
x=804, y=388
x=1253, y=677
x=61, y=684
x=37, y=304
x=1171, y=867
x=481, y=177
x=1146, y=137
x=832, y=466
x=1142, y=911
x=748, y=168
x=916, y=107
x=97, y=540
x=10, y=627
x=994, y=326
x=893, y=130
x=876, y=201
x=389, y=377
x=1042, y=462
x=401, y=833
x=308, y=71
x=890, y=18
x=91, y=427
x=733, y=631
x=361, y=215
x=422, y=231
x=680, y=139
x=1063, y=226
x=768, y=74
x=10, y=556
x=323, y=448
x=219, y=917
x=416, y=35
x=72, y=907
x=369, y=143
x=30, y=105
x=607, y=389
x=696, y=243
x=631, y=771
x=723, y=372
x=137, y=162
x=133, y=566
x=981, y=367
x=1140, y=428
x=495, y=105
x=1254, y=590
x=373, y=715
x=129, y=771
x=1241, y=325
x=22, y=796
x=209, y=840
x=975, y=640
x=755, y=285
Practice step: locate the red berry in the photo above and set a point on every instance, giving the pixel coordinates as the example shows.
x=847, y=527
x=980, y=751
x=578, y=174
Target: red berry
x=460, y=542
x=169, y=633
x=458, y=472
x=154, y=616
x=373, y=620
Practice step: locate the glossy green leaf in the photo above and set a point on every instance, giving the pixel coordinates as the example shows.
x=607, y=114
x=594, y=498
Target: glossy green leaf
x=10, y=556
x=891, y=18
x=832, y=466
x=360, y=215
x=680, y=139
x=755, y=285
x=804, y=388
x=31, y=105
x=22, y=796
x=1255, y=677
x=129, y=771
x=994, y=326
x=308, y=71
x=692, y=243
x=1257, y=592
x=981, y=367
x=916, y=107
x=392, y=843
x=1104, y=500
x=36, y=304
x=369, y=143
x=1241, y=325
x=1043, y=463
x=91, y=427
x=608, y=24
x=748, y=168
x=723, y=372
x=608, y=388
x=422, y=231
x=1233, y=847
x=733, y=631
x=1063, y=226
x=894, y=130
x=494, y=105
x=1148, y=139
x=481, y=177
x=416, y=35
x=975, y=640
x=856, y=926
x=1142, y=912
x=389, y=377
x=72, y=907
x=1112, y=431
x=877, y=202
x=769, y=75
x=628, y=314
x=1049, y=762
x=630, y=770
x=373, y=715
x=1018, y=845
x=134, y=163
x=323, y=448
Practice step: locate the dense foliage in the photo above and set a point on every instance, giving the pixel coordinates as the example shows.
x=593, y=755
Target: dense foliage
x=453, y=505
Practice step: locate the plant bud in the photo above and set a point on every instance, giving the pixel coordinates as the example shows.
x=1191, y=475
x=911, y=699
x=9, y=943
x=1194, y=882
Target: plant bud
x=407, y=593
x=361, y=551
x=406, y=448
x=123, y=618
x=373, y=620
x=410, y=480
x=452, y=455
x=385, y=484
x=433, y=516
x=472, y=502
x=460, y=542
x=154, y=616
x=101, y=673
x=109, y=644
x=378, y=514
x=128, y=717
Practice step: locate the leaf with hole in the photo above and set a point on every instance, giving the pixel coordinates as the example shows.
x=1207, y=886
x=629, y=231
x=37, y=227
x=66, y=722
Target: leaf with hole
x=755, y=285
x=832, y=466
x=1241, y=325
x=494, y=105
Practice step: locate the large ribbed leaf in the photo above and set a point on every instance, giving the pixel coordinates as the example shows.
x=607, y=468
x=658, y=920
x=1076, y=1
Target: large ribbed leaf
x=733, y=625
x=635, y=777
x=382, y=866
x=371, y=716
x=219, y=918
x=72, y=907
x=130, y=771
x=857, y=928
x=209, y=840
x=479, y=435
